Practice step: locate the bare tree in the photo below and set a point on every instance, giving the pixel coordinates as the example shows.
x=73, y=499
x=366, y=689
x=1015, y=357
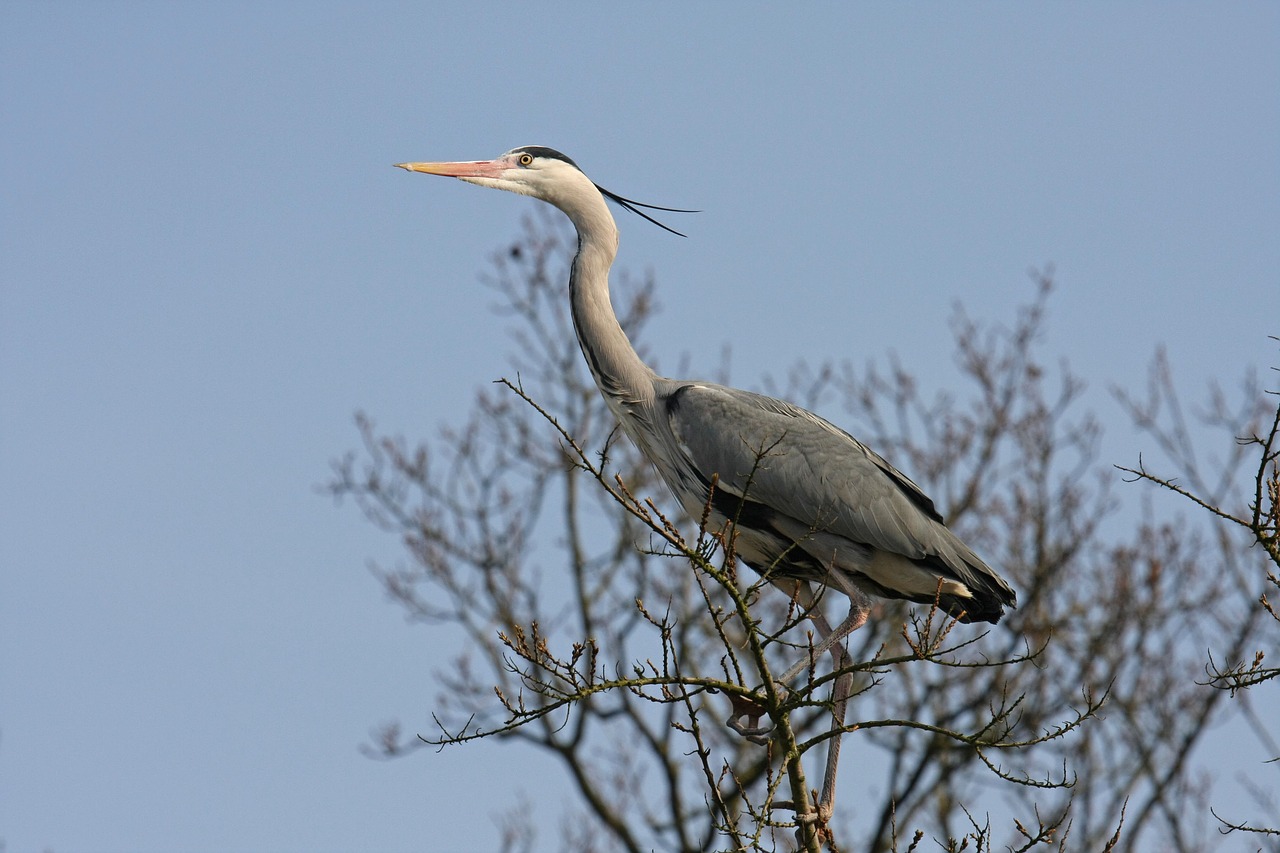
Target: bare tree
x=1214, y=487
x=616, y=636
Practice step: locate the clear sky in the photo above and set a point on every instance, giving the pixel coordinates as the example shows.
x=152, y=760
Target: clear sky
x=207, y=264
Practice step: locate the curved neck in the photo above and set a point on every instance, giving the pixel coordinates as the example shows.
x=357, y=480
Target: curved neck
x=620, y=374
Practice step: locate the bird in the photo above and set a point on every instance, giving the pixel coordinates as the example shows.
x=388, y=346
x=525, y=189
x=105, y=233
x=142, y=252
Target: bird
x=809, y=504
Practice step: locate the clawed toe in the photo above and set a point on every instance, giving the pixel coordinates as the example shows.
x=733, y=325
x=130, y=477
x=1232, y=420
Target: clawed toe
x=750, y=729
x=816, y=821
x=745, y=719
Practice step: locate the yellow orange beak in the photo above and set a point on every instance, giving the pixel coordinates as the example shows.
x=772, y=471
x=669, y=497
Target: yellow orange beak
x=471, y=169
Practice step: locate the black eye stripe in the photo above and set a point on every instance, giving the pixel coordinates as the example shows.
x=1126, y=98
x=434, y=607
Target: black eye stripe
x=527, y=153
x=548, y=153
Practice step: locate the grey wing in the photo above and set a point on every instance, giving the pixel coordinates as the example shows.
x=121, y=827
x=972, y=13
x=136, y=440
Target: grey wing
x=801, y=466
x=821, y=487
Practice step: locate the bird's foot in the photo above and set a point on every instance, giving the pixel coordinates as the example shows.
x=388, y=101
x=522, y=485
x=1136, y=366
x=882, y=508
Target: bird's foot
x=749, y=730
x=815, y=822
x=745, y=719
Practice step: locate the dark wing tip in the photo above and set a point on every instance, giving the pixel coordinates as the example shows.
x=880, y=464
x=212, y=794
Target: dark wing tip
x=986, y=605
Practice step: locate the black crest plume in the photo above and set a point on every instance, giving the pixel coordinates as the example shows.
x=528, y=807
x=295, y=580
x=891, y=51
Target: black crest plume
x=634, y=207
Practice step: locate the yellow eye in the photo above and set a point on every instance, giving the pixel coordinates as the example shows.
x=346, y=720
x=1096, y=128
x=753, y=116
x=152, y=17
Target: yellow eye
x=526, y=159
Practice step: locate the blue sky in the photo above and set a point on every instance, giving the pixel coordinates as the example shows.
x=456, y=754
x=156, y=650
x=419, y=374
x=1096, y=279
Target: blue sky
x=207, y=265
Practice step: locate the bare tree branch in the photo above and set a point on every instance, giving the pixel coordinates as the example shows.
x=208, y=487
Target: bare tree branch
x=615, y=634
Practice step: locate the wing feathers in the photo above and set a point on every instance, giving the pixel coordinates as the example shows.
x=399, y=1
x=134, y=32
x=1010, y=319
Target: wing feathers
x=812, y=483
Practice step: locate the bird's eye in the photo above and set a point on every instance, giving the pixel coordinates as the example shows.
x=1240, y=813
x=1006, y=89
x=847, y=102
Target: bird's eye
x=526, y=159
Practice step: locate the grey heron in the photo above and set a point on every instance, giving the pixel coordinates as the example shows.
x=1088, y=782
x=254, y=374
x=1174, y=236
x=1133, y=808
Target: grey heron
x=810, y=504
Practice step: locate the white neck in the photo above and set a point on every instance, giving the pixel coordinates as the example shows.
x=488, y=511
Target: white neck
x=622, y=377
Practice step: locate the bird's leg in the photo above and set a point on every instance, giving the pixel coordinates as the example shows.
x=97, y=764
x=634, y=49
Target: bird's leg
x=839, y=702
x=827, y=636
x=859, y=607
x=745, y=719
x=829, y=639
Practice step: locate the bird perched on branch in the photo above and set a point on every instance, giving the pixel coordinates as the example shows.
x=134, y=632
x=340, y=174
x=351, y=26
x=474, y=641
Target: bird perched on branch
x=809, y=503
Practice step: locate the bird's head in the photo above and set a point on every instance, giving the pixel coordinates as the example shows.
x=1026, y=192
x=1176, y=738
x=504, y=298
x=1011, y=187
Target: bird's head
x=543, y=173
x=532, y=170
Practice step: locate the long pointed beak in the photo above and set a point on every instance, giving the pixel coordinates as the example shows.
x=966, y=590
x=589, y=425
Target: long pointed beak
x=473, y=169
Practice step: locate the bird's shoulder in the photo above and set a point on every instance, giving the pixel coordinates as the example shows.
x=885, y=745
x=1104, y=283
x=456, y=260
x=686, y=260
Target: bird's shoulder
x=742, y=437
